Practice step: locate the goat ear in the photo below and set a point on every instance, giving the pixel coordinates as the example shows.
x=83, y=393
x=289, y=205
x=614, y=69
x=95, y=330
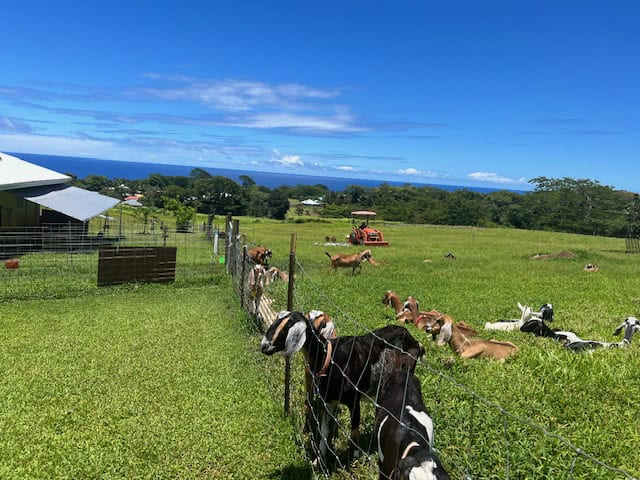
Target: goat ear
x=296, y=336
x=445, y=334
x=619, y=329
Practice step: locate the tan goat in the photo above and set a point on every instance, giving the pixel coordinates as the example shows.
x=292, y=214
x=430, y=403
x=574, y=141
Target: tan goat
x=353, y=260
x=449, y=332
x=410, y=311
x=403, y=311
x=260, y=255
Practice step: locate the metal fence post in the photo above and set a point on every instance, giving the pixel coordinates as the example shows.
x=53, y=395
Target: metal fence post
x=287, y=359
x=227, y=242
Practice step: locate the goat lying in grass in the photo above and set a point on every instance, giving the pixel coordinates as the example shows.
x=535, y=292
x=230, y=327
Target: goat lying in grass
x=405, y=312
x=344, y=368
x=527, y=313
x=630, y=326
x=409, y=311
x=353, y=260
x=404, y=431
x=448, y=332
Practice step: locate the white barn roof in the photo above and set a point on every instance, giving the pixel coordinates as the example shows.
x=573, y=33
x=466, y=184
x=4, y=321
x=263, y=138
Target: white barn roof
x=16, y=173
x=47, y=188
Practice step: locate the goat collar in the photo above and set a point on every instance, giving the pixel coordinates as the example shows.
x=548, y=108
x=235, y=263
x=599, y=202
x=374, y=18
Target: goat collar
x=464, y=345
x=327, y=360
x=406, y=450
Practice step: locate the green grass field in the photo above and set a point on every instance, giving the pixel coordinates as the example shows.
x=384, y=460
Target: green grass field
x=591, y=400
x=165, y=381
x=159, y=382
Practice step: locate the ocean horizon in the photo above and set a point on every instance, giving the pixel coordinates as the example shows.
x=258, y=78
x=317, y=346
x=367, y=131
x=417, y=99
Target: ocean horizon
x=82, y=167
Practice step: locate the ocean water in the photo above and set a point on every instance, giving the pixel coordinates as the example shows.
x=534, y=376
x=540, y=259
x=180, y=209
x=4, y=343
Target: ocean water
x=82, y=167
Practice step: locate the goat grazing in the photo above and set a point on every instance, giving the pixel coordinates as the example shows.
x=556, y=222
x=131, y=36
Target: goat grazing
x=448, y=332
x=405, y=431
x=353, y=260
x=260, y=255
x=345, y=368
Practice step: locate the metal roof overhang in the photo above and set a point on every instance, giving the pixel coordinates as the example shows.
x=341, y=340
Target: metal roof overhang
x=72, y=201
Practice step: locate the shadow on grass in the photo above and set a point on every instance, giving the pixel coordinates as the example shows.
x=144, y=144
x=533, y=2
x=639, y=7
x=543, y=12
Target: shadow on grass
x=293, y=472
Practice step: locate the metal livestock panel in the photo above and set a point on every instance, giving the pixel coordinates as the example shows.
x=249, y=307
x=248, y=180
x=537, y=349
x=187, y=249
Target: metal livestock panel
x=136, y=264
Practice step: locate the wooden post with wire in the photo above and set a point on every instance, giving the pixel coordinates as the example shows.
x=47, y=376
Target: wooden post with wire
x=287, y=359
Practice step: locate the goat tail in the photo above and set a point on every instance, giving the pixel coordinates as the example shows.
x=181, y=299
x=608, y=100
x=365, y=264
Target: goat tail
x=327, y=254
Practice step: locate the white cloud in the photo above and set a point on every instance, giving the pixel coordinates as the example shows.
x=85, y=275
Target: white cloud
x=286, y=160
x=417, y=173
x=234, y=95
x=408, y=171
x=331, y=124
x=346, y=168
x=495, y=178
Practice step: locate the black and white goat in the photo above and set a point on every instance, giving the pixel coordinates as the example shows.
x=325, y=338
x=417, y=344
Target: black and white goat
x=404, y=431
x=536, y=324
x=527, y=313
x=345, y=368
x=630, y=326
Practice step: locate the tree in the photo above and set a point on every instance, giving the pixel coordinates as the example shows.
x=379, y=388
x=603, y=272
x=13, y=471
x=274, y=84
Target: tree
x=197, y=173
x=246, y=181
x=183, y=213
x=278, y=204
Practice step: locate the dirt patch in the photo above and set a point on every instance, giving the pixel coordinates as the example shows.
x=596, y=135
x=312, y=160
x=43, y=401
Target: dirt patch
x=546, y=256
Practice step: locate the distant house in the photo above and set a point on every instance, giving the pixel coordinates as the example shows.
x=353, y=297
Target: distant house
x=32, y=196
x=311, y=203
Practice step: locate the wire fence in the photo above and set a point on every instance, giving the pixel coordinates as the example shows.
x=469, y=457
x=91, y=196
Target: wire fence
x=522, y=449
x=62, y=260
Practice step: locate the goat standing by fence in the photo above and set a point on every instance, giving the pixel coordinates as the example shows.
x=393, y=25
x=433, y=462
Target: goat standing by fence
x=404, y=431
x=345, y=368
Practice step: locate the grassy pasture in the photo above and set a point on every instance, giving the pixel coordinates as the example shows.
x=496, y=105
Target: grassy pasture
x=167, y=381
x=591, y=400
x=153, y=382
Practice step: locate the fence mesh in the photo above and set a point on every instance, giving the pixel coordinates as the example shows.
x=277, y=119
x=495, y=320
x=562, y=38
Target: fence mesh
x=523, y=449
x=62, y=260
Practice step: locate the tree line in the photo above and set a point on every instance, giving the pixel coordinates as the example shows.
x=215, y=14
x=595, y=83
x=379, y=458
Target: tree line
x=559, y=204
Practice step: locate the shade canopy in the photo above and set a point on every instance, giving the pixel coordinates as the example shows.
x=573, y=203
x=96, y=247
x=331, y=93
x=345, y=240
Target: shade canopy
x=72, y=201
x=365, y=213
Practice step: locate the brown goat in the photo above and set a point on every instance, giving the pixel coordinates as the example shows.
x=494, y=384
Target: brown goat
x=353, y=260
x=259, y=255
x=410, y=311
x=430, y=317
x=449, y=332
x=404, y=311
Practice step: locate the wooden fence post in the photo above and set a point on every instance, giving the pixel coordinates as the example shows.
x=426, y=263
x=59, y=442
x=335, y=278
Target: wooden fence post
x=236, y=246
x=242, y=275
x=287, y=359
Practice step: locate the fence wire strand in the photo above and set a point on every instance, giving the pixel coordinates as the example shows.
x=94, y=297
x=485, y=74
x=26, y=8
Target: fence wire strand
x=308, y=295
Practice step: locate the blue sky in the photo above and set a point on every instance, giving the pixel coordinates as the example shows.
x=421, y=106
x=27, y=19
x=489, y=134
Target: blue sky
x=487, y=93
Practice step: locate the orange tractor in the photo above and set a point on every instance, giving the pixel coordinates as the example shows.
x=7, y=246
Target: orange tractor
x=362, y=233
